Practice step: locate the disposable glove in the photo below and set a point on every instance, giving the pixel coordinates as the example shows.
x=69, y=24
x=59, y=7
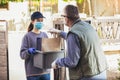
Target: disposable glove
x=31, y=50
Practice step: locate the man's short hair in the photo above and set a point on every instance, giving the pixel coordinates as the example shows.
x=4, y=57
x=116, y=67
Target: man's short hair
x=72, y=12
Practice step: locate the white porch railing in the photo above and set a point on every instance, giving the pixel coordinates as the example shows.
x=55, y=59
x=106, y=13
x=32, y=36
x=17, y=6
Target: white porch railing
x=108, y=29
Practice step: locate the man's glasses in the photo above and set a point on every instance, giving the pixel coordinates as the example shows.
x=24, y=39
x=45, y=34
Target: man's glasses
x=64, y=16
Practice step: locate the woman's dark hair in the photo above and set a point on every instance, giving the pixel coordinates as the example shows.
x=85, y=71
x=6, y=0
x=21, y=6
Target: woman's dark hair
x=30, y=27
x=72, y=12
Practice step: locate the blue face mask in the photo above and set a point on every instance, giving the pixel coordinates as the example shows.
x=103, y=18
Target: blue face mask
x=38, y=25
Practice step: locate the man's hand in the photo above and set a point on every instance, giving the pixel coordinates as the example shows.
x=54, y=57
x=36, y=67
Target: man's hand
x=54, y=31
x=54, y=66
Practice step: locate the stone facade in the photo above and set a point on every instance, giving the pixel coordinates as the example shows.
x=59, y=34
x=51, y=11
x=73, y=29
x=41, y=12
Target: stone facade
x=3, y=56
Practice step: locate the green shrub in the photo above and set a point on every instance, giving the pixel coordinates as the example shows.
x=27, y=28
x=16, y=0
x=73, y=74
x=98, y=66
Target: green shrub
x=118, y=78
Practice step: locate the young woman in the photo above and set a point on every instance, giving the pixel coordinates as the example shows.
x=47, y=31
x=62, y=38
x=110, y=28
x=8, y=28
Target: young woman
x=28, y=48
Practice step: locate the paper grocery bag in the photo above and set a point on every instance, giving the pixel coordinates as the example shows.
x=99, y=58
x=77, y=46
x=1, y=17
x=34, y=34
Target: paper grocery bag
x=49, y=44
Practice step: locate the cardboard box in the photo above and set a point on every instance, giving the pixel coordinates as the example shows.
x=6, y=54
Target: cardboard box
x=44, y=59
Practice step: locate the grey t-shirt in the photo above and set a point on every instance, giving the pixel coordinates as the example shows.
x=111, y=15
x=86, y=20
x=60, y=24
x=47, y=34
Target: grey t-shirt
x=30, y=41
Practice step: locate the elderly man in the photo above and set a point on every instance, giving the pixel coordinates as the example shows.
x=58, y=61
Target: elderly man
x=85, y=58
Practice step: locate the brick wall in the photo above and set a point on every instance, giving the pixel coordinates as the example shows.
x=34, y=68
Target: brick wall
x=3, y=56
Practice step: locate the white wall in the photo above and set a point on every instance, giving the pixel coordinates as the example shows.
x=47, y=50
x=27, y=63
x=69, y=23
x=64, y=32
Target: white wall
x=16, y=64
